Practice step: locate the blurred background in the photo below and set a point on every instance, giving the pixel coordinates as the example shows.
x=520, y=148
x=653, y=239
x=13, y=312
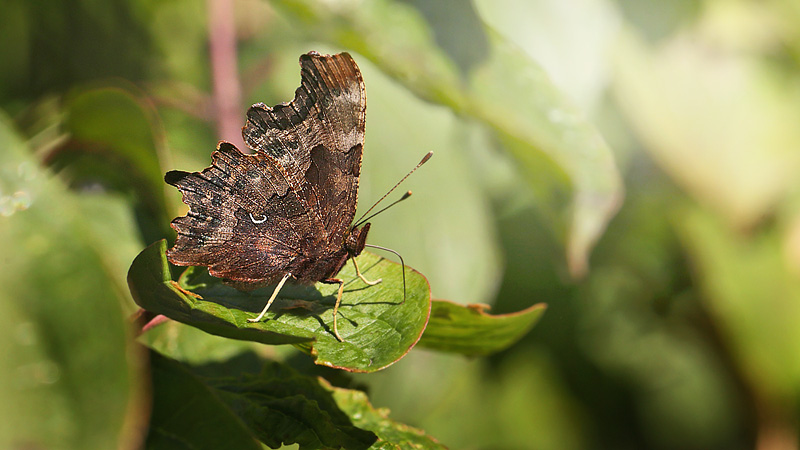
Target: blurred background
x=633, y=164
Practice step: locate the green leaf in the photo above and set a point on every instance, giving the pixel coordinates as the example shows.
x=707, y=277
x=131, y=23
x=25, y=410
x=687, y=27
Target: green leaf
x=391, y=434
x=283, y=407
x=116, y=140
x=752, y=292
x=188, y=415
x=469, y=330
x=377, y=327
x=192, y=345
x=563, y=156
x=69, y=377
x=244, y=397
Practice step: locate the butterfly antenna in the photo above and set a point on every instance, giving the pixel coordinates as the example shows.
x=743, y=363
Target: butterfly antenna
x=402, y=263
x=405, y=196
x=423, y=161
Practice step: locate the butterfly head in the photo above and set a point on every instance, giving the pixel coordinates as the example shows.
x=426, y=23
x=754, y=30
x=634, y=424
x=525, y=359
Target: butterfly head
x=355, y=239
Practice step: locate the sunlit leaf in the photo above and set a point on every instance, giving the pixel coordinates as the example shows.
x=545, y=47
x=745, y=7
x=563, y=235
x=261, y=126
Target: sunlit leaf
x=391, y=434
x=561, y=154
x=572, y=48
x=471, y=331
x=378, y=328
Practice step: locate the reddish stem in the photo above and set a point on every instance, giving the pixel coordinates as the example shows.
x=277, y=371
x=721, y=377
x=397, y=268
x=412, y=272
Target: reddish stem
x=224, y=70
x=145, y=320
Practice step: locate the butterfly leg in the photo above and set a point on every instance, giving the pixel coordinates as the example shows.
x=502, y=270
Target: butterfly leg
x=360, y=275
x=340, y=282
x=269, y=302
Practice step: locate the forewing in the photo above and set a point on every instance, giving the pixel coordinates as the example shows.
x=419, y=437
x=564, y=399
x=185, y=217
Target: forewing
x=318, y=138
x=245, y=222
x=253, y=218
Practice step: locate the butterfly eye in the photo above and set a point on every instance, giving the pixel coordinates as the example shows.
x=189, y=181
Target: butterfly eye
x=261, y=218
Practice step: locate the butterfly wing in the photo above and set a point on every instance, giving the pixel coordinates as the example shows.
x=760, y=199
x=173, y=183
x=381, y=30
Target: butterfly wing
x=244, y=223
x=286, y=208
x=323, y=153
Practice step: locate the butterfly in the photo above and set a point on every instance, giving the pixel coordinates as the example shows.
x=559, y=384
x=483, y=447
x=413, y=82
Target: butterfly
x=286, y=211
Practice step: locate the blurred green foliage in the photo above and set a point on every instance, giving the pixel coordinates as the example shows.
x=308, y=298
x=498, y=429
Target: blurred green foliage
x=672, y=310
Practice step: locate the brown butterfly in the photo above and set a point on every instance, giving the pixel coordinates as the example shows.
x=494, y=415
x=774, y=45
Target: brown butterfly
x=287, y=210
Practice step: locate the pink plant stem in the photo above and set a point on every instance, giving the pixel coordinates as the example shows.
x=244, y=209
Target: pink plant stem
x=145, y=320
x=224, y=70
x=154, y=322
